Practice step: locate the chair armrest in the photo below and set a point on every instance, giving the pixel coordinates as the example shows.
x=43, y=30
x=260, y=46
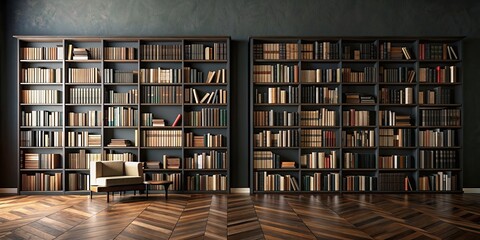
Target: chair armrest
x=133, y=169
x=96, y=171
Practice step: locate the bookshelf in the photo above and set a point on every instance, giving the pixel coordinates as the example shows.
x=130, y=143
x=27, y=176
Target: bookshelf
x=356, y=114
x=162, y=101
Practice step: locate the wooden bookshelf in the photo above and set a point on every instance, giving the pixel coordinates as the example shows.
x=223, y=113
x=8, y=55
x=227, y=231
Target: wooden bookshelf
x=356, y=114
x=109, y=98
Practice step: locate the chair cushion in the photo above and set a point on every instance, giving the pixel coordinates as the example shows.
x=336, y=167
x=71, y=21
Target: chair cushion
x=112, y=168
x=119, y=180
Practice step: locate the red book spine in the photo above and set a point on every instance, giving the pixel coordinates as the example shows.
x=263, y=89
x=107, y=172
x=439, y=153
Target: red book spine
x=177, y=120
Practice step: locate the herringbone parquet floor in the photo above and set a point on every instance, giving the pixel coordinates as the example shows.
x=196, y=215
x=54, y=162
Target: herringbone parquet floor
x=266, y=216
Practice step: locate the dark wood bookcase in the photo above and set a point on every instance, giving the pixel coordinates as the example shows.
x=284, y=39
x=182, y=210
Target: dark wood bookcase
x=83, y=99
x=356, y=114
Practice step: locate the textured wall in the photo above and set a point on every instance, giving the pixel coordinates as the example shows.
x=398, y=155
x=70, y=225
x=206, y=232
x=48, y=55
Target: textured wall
x=241, y=19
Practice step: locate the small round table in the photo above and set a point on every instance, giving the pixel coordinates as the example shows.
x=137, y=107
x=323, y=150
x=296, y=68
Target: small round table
x=166, y=185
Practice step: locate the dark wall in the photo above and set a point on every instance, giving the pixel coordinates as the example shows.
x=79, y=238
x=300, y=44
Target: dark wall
x=241, y=19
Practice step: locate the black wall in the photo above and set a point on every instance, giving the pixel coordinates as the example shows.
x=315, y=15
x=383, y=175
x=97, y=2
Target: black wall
x=241, y=19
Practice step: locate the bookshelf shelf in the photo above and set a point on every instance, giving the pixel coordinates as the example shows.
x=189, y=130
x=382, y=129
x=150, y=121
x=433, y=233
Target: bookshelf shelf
x=120, y=88
x=411, y=87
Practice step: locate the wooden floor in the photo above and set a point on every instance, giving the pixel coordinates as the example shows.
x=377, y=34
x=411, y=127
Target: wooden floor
x=267, y=216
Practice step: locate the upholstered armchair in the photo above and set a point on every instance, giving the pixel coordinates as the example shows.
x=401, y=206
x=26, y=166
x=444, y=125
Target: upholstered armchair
x=115, y=173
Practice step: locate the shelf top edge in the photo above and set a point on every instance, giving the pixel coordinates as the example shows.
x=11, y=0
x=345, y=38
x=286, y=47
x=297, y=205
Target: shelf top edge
x=126, y=38
x=354, y=38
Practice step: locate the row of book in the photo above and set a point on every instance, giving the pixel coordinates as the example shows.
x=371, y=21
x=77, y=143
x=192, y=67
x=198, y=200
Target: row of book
x=91, y=118
x=354, y=117
x=439, y=74
x=360, y=51
x=437, y=95
x=358, y=138
x=276, y=95
x=41, y=75
x=389, y=51
x=284, y=138
x=275, y=182
x=207, y=117
x=397, y=75
x=266, y=159
x=321, y=117
x=273, y=118
x=41, y=53
x=207, y=160
x=321, y=75
x=120, y=53
x=396, y=96
x=199, y=51
x=396, y=162
x=320, y=50
x=205, y=140
x=278, y=73
x=48, y=96
x=392, y=118
x=358, y=160
x=41, y=118
x=83, y=75
x=437, y=138
x=161, y=52
x=431, y=159
x=275, y=51
x=78, y=181
x=41, y=138
x=369, y=75
x=160, y=75
x=440, y=181
x=82, y=159
x=324, y=95
x=161, y=138
x=85, y=95
x=318, y=138
x=129, y=97
x=320, y=160
x=204, y=182
x=40, y=160
x=440, y=117
x=162, y=94
x=40, y=181
x=394, y=182
x=396, y=137
x=118, y=76
x=83, y=139
x=436, y=51
x=121, y=116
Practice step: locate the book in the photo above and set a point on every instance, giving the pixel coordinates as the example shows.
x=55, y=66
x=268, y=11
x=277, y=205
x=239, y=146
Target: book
x=177, y=120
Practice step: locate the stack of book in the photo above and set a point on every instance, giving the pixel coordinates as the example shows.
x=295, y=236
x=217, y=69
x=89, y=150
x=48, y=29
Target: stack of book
x=119, y=143
x=80, y=54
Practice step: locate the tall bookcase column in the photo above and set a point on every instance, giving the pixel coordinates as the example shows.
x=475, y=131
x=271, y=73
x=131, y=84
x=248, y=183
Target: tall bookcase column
x=206, y=114
x=320, y=115
x=83, y=110
x=440, y=131
x=162, y=110
x=40, y=113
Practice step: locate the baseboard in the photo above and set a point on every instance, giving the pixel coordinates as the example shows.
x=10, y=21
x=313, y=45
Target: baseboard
x=240, y=190
x=471, y=190
x=8, y=190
